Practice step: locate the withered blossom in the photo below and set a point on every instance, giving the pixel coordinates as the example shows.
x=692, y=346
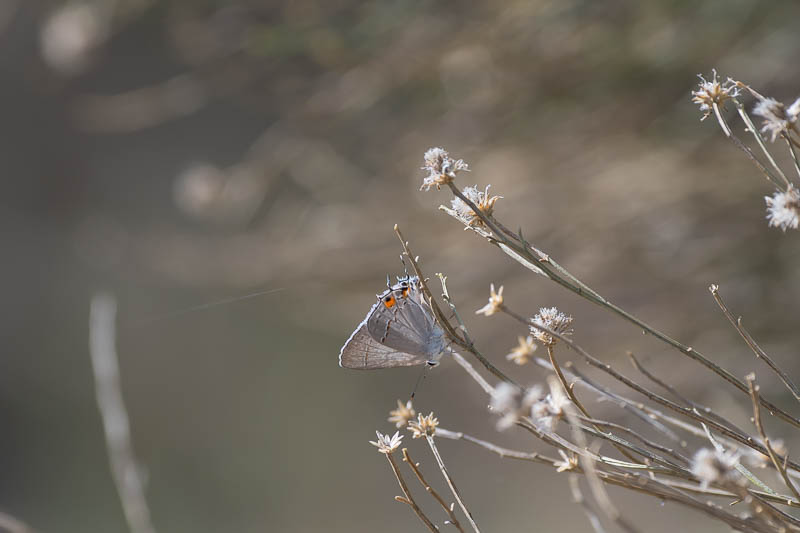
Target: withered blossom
x=495, y=302
x=710, y=92
x=403, y=414
x=783, y=209
x=387, y=444
x=777, y=117
x=442, y=168
x=482, y=201
x=423, y=426
x=523, y=352
x=552, y=319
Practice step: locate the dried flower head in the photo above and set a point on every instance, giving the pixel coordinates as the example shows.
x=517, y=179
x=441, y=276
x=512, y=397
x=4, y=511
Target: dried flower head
x=513, y=403
x=387, y=444
x=549, y=410
x=495, y=302
x=567, y=463
x=777, y=117
x=554, y=320
x=710, y=466
x=482, y=201
x=522, y=353
x=783, y=208
x=713, y=92
x=423, y=426
x=403, y=414
x=441, y=168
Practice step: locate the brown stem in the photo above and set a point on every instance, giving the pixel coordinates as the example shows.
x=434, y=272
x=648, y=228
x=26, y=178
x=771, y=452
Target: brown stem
x=415, y=467
x=780, y=466
x=737, y=324
x=408, y=499
x=689, y=413
x=526, y=254
x=451, y=483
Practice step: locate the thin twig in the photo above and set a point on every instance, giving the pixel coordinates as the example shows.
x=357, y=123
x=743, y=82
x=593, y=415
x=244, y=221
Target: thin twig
x=752, y=478
x=487, y=388
x=451, y=483
x=686, y=401
x=689, y=413
x=407, y=498
x=779, y=465
x=597, y=488
x=647, y=414
x=647, y=442
x=790, y=143
x=759, y=140
x=447, y=508
x=130, y=487
x=545, y=264
x=737, y=324
x=568, y=390
x=499, y=450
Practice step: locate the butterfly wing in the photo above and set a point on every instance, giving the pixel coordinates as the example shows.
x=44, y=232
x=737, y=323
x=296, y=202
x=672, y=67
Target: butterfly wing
x=406, y=326
x=363, y=352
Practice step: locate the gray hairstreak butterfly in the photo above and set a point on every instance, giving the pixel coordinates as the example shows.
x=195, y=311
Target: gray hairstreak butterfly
x=399, y=330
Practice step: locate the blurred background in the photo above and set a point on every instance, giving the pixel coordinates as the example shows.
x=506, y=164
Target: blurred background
x=177, y=153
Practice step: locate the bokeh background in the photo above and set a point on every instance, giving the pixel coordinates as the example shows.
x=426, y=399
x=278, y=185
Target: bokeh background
x=178, y=152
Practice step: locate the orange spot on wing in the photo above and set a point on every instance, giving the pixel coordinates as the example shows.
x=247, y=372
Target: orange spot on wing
x=389, y=301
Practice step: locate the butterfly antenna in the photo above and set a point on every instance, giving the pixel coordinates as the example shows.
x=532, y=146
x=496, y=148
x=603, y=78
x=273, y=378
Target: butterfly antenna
x=405, y=267
x=419, y=381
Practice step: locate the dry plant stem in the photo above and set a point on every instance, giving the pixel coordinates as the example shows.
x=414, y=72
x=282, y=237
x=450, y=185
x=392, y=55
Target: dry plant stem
x=649, y=443
x=790, y=143
x=451, y=483
x=666, y=491
x=595, y=484
x=407, y=498
x=640, y=410
x=446, y=297
x=722, y=124
x=657, y=487
x=499, y=450
x=103, y=352
x=737, y=324
x=630, y=481
x=440, y=318
x=686, y=401
x=689, y=413
x=669, y=467
x=577, y=497
x=564, y=384
x=666, y=386
x=568, y=390
x=648, y=411
x=622, y=447
x=754, y=130
x=738, y=466
x=487, y=388
x=11, y=524
x=794, y=523
x=780, y=466
x=558, y=274
x=447, y=509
